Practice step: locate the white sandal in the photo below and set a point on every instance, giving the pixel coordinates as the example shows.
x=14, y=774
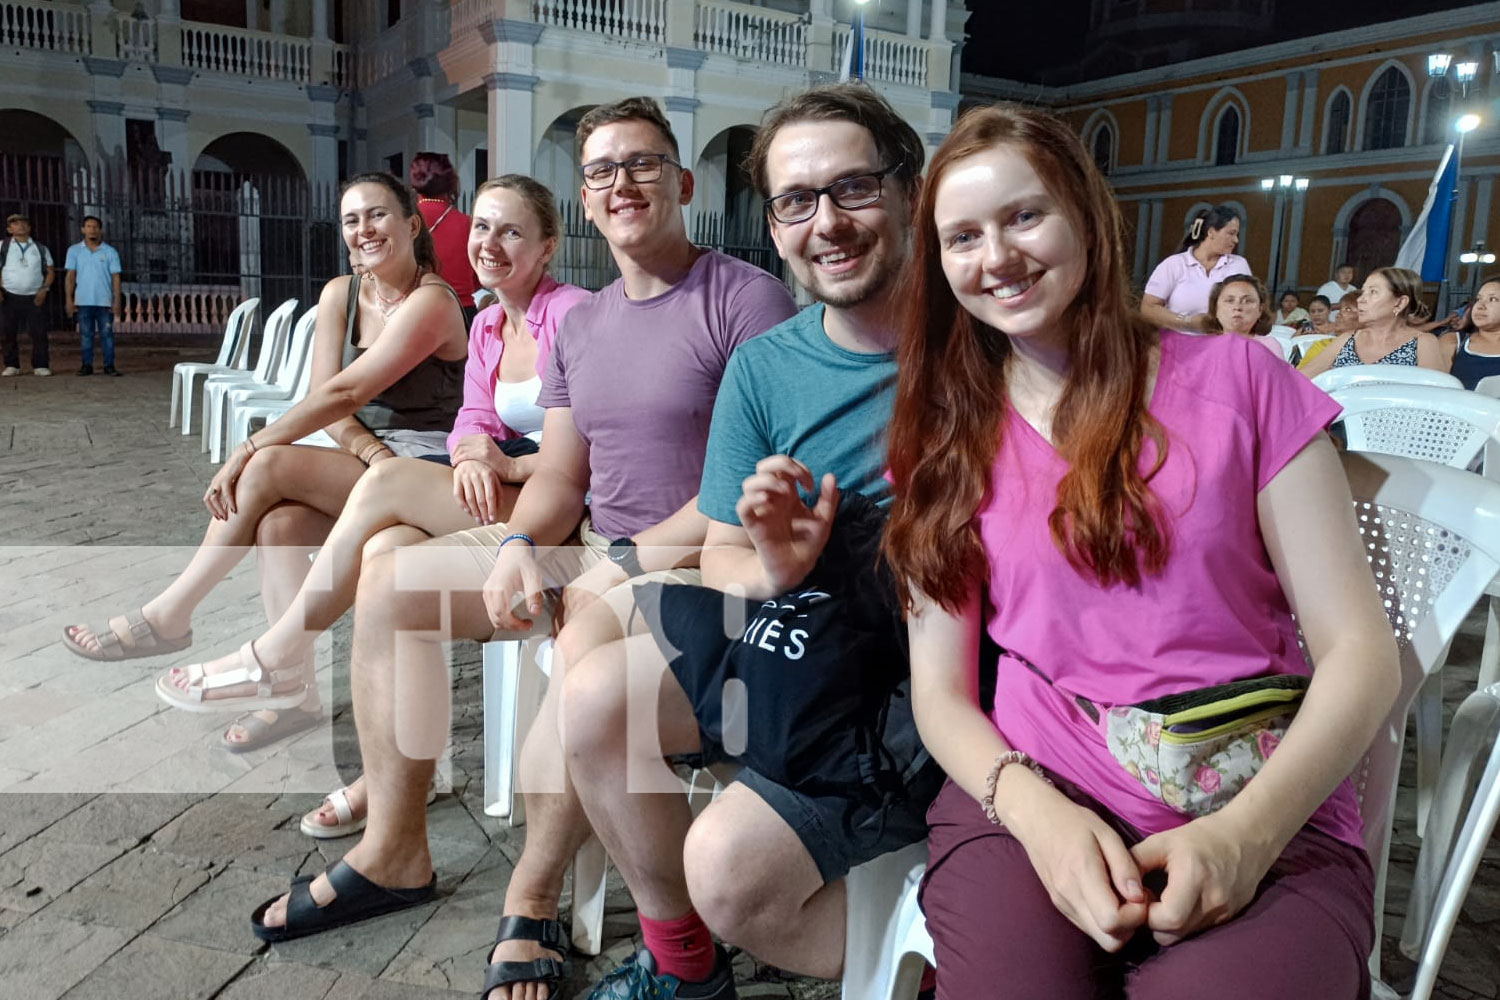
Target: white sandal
x=347, y=824
x=249, y=671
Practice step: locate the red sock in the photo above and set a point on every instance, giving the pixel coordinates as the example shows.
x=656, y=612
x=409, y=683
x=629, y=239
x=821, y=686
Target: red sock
x=682, y=947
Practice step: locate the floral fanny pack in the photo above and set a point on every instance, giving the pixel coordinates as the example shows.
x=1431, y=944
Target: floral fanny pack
x=1195, y=750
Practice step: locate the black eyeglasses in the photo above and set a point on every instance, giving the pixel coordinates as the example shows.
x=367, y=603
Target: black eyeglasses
x=848, y=192
x=642, y=169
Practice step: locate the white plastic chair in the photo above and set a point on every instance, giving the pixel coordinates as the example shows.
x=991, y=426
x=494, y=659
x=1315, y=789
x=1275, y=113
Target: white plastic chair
x=234, y=355
x=243, y=402
x=1489, y=386
x=1301, y=342
x=1352, y=375
x=1433, y=538
x=272, y=350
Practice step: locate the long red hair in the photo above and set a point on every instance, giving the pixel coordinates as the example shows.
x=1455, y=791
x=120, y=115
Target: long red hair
x=950, y=396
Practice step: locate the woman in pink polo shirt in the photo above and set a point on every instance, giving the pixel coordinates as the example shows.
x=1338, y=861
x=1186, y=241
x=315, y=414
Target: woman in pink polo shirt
x=1124, y=512
x=1176, y=296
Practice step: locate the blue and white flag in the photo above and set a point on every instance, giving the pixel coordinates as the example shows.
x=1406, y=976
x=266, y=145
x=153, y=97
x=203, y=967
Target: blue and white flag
x=1426, y=249
x=854, y=51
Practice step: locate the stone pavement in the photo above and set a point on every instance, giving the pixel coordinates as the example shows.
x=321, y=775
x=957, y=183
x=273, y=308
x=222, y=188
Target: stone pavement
x=132, y=849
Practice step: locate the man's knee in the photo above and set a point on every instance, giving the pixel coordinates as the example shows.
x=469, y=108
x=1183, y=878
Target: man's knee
x=726, y=879
x=593, y=705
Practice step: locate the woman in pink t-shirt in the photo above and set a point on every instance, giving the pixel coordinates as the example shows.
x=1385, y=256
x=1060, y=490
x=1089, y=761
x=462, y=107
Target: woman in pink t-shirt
x=1124, y=513
x=1240, y=304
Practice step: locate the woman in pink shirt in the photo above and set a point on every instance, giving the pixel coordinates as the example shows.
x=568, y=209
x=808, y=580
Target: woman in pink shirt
x=514, y=231
x=1140, y=530
x=1240, y=304
x=1176, y=295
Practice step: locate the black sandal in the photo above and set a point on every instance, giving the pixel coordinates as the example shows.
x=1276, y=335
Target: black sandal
x=549, y=972
x=358, y=899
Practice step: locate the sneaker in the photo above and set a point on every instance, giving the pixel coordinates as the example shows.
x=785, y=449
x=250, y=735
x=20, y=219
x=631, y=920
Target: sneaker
x=638, y=979
x=86, y=370
x=9, y=371
x=43, y=372
x=111, y=370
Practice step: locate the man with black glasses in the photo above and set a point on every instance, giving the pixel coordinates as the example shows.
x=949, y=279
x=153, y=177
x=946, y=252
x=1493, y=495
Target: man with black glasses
x=800, y=417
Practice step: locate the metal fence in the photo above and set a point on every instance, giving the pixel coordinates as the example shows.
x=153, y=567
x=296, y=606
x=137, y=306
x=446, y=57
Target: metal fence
x=190, y=244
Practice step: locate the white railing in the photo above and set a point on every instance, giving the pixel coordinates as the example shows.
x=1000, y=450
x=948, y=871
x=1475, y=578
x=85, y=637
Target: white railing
x=136, y=39
x=467, y=15
x=893, y=58
x=345, y=66
x=57, y=27
x=753, y=33
x=179, y=309
x=641, y=20
x=246, y=53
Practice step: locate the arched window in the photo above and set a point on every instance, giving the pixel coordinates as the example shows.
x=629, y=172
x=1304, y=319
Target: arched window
x=1374, y=235
x=1338, y=123
x=1227, y=140
x=1104, y=148
x=1386, y=111
x=1439, y=110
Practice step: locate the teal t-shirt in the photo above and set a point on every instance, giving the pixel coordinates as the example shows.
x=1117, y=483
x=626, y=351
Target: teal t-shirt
x=792, y=391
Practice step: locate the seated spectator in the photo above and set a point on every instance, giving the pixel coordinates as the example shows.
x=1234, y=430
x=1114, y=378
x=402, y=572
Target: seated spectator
x=1390, y=300
x=803, y=410
x=387, y=379
x=1135, y=470
x=513, y=235
x=1341, y=284
x=1319, y=316
x=1290, y=312
x=1474, y=351
x=1238, y=304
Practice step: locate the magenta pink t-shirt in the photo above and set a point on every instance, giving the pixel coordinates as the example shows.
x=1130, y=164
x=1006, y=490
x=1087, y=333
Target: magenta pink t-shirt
x=1234, y=416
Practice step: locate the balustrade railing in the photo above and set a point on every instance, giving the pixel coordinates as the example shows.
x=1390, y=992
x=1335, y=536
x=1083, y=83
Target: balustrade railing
x=135, y=41
x=753, y=33
x=641, y=20
x=242, y=52
x=57, y=27
x=345, y=66
x=467, y=15
x=893, y=58
x=182, y=309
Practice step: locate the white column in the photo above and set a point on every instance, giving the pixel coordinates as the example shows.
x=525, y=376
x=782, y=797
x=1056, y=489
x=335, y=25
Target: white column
x=681, y=112
x=509, y=111
x=1164, y=130
x=1274, y=260
x=1289, y=111
x=1142, y=234
x=1482, y=193
x=171, y=8
x=278, y=17
x=1292, y=271
x=914, y=18
x=1153, y=116
x=1455, y=244
x=938, y=30
x=252, y=14
x=1309, y=111
x=1153, y=248
x=320, y=20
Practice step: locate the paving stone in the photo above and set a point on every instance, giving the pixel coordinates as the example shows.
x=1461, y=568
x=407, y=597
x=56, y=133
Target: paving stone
x=218, y=914
x=353, y=986
x=451, y=949
x=133, y=891
x=236, y=828
x=22, y=815
x=280, y=981
x=367, y=947
x=150, y=966
x=43, y=958
x=120, y=820
x=35, y=873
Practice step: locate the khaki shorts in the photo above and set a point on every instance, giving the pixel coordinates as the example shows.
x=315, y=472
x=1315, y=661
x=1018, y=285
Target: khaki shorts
x=560, y=564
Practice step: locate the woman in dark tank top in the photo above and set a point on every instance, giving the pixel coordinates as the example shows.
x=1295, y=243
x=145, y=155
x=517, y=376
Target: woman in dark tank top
x=1475, y=350
x=391, y=347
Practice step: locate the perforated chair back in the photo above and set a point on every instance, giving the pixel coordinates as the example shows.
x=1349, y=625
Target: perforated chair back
x=296, y=369
x=1352, y=375
x=1450, y=426
x=235, y=347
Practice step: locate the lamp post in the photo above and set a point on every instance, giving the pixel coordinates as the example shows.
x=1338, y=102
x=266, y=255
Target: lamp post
x=1284, y=187
x=856, y=62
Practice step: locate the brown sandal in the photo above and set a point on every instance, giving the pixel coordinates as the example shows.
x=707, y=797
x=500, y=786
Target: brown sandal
x=112, y=648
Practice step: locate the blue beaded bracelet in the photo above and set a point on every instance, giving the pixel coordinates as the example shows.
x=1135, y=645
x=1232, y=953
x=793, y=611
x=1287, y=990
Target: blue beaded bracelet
x=517, y=536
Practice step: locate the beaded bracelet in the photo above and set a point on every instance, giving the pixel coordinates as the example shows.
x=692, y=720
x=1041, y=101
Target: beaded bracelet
x=514, y=536
x=1007, y=758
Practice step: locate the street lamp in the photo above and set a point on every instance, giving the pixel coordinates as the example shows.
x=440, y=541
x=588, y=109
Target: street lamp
x=854, y=59
x=1438, y=63
x=1285, y=187
x=1466, y=123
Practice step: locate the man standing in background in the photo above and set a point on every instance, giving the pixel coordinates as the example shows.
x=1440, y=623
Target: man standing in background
x=93, y=287
x=26, y=276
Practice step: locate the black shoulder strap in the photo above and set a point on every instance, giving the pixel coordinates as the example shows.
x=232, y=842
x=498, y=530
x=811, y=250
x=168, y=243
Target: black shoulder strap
x=351, y=309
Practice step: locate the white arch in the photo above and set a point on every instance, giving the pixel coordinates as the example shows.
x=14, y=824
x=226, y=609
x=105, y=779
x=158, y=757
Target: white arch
x=1208, y=125
x=1328, y=117
x=1346, y=212
x=1364, y=100
x=1420, y=136
x=1103, y=118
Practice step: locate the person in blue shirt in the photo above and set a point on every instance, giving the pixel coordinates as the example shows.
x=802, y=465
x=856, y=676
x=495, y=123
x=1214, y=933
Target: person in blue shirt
x=93, y=290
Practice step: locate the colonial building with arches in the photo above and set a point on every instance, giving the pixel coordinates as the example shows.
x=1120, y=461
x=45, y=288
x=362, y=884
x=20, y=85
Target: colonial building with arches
x=1354, y=112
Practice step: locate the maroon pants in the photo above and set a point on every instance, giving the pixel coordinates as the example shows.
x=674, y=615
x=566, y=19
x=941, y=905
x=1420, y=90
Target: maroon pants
x=1307, y=933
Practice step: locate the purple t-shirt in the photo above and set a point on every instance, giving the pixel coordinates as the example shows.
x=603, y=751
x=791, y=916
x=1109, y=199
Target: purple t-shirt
x=641, y=378
x=1234, y=416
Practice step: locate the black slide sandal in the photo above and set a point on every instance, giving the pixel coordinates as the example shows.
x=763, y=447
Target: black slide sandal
x=358, y=899
x=549, y=972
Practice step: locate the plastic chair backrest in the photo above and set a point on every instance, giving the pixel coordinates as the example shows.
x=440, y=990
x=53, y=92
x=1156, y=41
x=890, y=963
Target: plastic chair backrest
x=1432, y=534
x=1489, y=386
x=1451, y=426
x=237, y=329
x=1306, y=340
x=295, y=368
x=1352, y=375
x=273, y=341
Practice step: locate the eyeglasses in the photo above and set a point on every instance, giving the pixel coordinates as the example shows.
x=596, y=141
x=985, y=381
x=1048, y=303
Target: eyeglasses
x=642, y=169
x=849, y=192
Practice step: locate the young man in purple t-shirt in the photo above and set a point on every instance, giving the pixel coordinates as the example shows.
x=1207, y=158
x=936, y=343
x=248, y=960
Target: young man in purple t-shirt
x=629, y=392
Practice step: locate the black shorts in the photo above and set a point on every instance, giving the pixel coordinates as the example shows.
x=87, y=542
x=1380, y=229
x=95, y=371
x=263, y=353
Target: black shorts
x=838, y=830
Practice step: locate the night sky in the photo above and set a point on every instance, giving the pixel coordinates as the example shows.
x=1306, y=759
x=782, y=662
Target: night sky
x=1032, y=38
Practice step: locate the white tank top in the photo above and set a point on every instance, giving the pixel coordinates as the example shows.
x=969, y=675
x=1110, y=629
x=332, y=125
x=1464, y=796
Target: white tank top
x=515, y=405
